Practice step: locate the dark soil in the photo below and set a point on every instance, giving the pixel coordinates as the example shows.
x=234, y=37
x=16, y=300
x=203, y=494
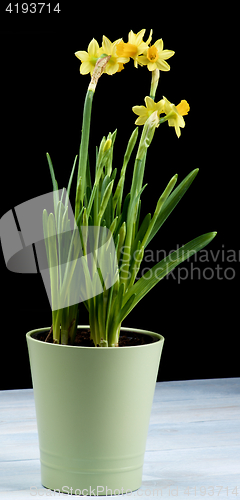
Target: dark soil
x=83, y=338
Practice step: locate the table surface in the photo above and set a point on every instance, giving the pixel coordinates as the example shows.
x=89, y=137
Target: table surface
x=193, y=444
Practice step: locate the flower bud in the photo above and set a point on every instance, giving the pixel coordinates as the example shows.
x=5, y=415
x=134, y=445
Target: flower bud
x=107, y=145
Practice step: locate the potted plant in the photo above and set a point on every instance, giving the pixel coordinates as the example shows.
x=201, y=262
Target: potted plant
x=94, y=385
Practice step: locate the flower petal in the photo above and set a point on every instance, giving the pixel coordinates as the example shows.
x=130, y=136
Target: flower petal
x=86, y=68
x=160, y=106
x=111, y=68
x=123, y=60
x=167, y=53
x=140, y=110
x=143, y=60
x=159, y=45
x=162, y=65
x=138, y=37
x=152, y=66
x=150, y=103
x=82, y=55
x=93, y=47
x=141, y=120
x=149, y=38
x=107, y=46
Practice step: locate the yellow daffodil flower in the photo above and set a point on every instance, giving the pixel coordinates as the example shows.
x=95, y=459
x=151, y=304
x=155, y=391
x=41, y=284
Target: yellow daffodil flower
x=174, y=114
x=155, y=57
x=89, y=58
x=134, y=47
x=115, y=64
x=145, y=111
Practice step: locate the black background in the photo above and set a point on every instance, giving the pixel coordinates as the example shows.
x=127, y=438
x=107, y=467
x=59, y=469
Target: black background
x=41, y=110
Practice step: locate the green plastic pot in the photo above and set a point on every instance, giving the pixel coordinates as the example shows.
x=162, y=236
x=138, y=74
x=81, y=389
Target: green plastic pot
x=93, y=408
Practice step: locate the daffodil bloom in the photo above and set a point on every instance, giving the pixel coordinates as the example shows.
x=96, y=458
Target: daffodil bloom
x=155, y=57
x=115, y=63
x=145, y=111
x=134, y=47
x=174, y=114
x=89, y=58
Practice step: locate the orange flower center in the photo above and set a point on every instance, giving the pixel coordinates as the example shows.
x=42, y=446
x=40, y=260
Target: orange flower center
x=152, y=54
x=126, y=49
x=183, y=108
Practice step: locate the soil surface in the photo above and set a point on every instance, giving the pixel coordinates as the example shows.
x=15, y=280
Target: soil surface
x=83, y=338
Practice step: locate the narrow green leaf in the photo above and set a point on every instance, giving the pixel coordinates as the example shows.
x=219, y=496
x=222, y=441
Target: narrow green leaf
x=161, y=269
x=121, y=239
x=142, y=231
x=55, y=185
x=54, y=182
x=88, y=175
x=105, y=199
x=113, y=312
x=78, y=204
x=171, y=203
x=45, y=233
x=70, y=181
x=128, y=306
x=118, y=191
x=127, y=156
x=53, y=260
x=113, y=226
x=159, y=206
x=105, y=183
x=123, y=217
x=131, y=143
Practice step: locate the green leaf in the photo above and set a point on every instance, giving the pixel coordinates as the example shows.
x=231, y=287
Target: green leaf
x=45, y=233
x=105, y=199
x=54, y=182
x=171, y=203
x=127, y=156
x=118, y=191
x=70, y=181
x=53, y=260
x=142, y=230
x=161, y=269
x=105, y=183
x=127, y=307
x=88, y=175
x=78, y=204
x=129, y=150
x=123, y=217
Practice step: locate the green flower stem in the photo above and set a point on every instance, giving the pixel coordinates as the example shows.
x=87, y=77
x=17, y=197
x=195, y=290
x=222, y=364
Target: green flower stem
x=154, y=83
x=136, y=187
x=131, y=143
x=136, y=262
x=83, y=151
x=56, y=323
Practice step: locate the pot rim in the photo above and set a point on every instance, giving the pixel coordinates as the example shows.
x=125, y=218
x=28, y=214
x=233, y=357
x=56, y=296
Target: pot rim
x=123, y=328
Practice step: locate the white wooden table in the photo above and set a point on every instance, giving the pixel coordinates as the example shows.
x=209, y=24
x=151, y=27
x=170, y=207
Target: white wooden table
x=193, y=446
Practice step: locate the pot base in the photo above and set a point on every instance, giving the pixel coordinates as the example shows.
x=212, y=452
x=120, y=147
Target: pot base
x=95, y=484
